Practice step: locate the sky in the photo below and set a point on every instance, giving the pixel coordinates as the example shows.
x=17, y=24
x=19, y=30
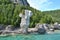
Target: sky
x=45, y=5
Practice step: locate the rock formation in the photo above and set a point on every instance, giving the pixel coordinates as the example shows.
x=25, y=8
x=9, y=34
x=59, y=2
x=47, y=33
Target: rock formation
x=2, y=27
x=56, y=26
x=41, y=29
x=21, y=2
x=25, y=20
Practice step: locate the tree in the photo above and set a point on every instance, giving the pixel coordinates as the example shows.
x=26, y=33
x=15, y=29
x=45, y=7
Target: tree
x=47, y=19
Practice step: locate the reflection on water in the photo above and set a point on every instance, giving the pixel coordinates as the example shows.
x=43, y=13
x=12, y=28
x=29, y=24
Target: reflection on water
x=32, y=37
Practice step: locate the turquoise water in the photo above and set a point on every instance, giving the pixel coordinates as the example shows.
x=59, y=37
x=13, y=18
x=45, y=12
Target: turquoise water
x=32, y=37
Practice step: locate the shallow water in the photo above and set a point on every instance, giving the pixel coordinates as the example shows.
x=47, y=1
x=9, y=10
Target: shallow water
x=32, y=37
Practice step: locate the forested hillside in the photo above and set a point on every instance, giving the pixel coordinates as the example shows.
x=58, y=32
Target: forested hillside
x=9, y=14
x=54, y=13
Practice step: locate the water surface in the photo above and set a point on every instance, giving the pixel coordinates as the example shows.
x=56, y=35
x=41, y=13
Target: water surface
x=32, y=37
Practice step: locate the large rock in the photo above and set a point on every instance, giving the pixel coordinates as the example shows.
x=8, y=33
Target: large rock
x=9, y=27
x=2, y=27
x=41, y=29
x=46, y=26
x=56, y=26
x=25, y=21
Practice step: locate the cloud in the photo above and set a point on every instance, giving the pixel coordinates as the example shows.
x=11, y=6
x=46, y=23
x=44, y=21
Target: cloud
x=40, y=4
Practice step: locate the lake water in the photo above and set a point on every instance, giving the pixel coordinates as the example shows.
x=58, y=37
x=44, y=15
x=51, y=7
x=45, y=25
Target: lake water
x=32, y=37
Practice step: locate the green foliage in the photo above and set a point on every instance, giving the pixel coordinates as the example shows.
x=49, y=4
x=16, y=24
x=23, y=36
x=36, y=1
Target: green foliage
x=9, y=14
x=35, y=18
x=54, y=13
x=5, y=1
x=47, y=19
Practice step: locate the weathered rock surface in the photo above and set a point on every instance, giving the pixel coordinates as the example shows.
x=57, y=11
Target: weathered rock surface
x=25, y=21
x=21, y=2
x=56, y=26
x=9, y=27
x=41, y=29
x=2, y=27
x=31, y=30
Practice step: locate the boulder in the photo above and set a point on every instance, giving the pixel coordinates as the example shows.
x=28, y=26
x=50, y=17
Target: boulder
x=56, y=26
x=9, y=27
x=46, y=26
x=2, y=27
x=51, y=27
x=41, y=29
x=0, y=32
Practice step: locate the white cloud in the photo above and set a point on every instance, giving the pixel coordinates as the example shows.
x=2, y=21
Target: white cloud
x=40, y=4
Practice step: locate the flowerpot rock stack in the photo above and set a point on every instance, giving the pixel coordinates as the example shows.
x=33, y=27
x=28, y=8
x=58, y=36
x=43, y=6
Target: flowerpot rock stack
x=25, y=20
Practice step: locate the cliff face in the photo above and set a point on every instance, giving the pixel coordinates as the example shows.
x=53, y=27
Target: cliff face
x=21, y=2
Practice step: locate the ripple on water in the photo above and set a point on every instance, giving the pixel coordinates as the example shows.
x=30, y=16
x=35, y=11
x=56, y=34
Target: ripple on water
x=32, y=37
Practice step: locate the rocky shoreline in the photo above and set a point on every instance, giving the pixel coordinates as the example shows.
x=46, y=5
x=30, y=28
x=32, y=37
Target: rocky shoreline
x=39, y=29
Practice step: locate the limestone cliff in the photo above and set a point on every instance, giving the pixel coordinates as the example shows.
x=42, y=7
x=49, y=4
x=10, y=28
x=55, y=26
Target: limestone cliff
x=21, y=2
